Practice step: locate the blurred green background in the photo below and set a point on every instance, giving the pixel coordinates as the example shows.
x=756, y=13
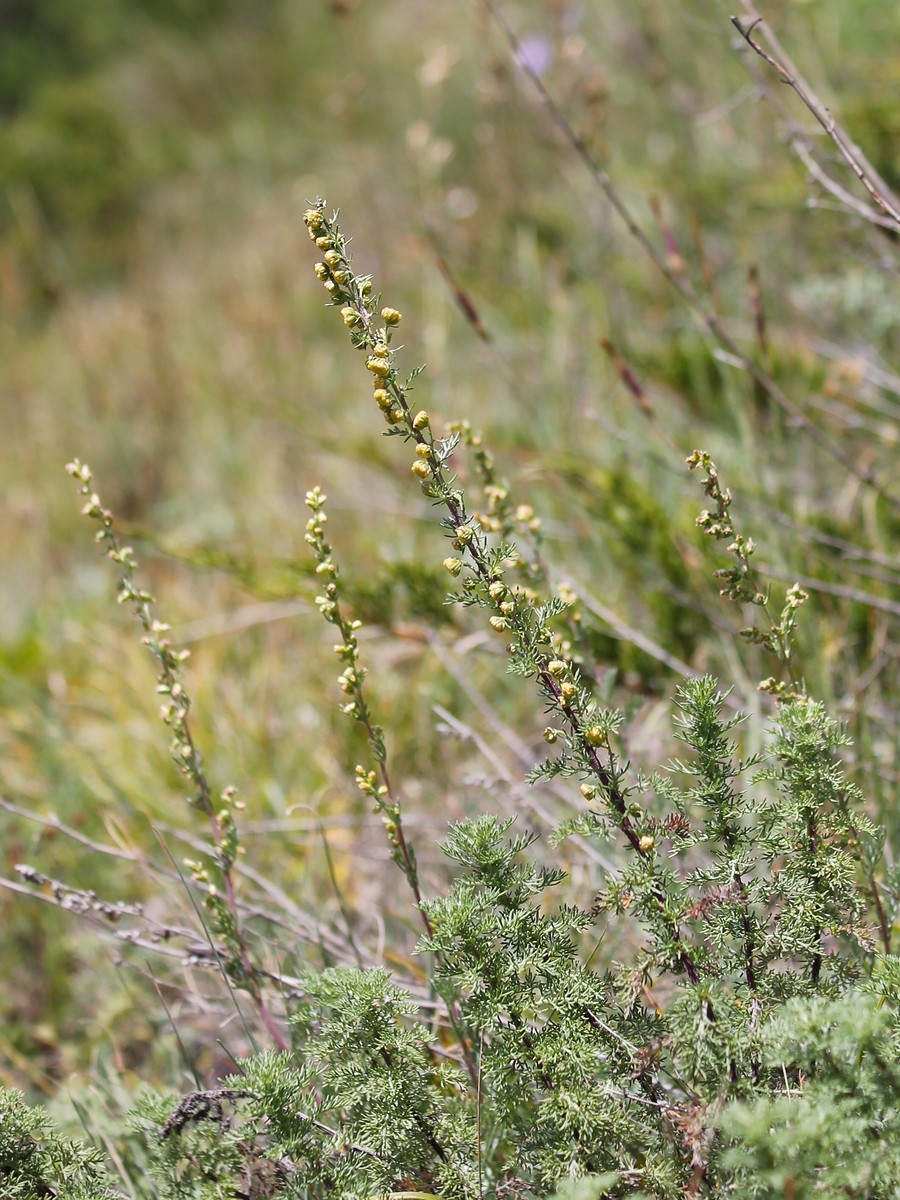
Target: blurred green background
x=160, y=320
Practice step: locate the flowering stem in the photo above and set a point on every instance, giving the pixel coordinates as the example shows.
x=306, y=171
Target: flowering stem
x=174, y=713
x=513, y=610
x=376, y=784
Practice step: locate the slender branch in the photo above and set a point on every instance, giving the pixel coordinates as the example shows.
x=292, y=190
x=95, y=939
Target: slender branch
x=884, y=928
x=848, y=150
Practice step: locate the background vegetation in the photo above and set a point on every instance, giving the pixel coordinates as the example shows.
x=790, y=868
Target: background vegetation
x=159, y=319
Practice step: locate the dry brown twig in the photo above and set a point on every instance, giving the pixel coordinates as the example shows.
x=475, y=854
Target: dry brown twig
x=856, y=160
x=183, y=945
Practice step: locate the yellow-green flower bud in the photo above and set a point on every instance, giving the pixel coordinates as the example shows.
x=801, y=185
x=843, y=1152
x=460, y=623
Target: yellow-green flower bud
x=332, y=258
x=524, y=512
x=396, y=415
x=423, y=450
x=567, y=690
x=453, y=565
x=383, y=399
x=420, y=421
x=351, y=316
x=647, y=843
x=508, y=607
x=551, y=735
x=589, y=793
x=378, y=366
x=421, y=469
x=557, y=668
x=381, y=349
x=498, y=624
x=390, y=316
x=595, y=736
x=321, y=271
x=464, y=533
x=497, y=590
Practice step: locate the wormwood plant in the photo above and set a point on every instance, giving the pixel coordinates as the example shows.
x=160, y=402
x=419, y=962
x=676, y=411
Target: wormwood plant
x=748, y=1046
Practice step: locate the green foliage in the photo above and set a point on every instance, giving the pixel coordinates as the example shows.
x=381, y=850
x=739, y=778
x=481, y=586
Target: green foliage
x=834, y=1129
x=36, y=1162
x=575, y=1077
x=43, y=42
x=63, y=39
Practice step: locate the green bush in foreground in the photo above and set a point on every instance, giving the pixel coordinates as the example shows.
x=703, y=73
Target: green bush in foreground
x=36, y=1162
x=748, y=1044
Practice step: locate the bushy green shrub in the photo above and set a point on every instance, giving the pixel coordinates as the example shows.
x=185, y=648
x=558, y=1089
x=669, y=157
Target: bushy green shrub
x=36, y=1162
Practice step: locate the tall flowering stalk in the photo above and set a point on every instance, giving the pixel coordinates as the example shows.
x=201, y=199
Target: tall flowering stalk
x=584, y=731
x=372, y=782
x=376, y=784
x=217, y=876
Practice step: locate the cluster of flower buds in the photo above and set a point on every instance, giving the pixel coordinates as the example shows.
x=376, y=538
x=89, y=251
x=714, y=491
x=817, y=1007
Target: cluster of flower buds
x=736, y=581
x=369, y=783
x=353, y=294
x=352, y=677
